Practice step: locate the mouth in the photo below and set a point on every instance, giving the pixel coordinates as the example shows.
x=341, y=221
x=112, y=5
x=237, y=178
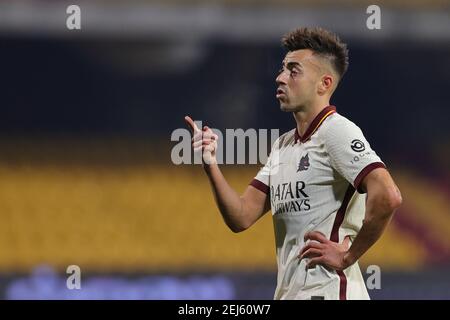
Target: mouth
x=280, y=93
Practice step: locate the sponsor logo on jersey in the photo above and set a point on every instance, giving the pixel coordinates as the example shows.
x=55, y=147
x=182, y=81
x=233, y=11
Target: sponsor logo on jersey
x=357, y=145
x=289, y=197
x=360, y=156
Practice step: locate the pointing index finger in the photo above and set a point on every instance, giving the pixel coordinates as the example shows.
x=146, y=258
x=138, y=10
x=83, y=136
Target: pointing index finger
x=191, y=124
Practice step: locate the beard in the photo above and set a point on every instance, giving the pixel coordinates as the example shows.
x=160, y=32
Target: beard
x=285, y=107
x=288, y=107
x=284, y=104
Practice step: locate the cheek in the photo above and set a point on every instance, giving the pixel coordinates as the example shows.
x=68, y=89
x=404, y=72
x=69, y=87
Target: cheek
x=299, y=86
x=305, y=85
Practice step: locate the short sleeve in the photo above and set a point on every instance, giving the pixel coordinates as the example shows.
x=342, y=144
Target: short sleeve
x=350, y=153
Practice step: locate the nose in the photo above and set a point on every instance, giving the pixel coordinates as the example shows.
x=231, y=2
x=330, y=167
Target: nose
x=281, y=79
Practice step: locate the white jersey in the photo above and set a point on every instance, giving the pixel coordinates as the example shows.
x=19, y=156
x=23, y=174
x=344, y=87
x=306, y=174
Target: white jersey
x=311, y=182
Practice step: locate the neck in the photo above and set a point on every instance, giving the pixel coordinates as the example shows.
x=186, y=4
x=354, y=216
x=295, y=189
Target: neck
x=304, y=117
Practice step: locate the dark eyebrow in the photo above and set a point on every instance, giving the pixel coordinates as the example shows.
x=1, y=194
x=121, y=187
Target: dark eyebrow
x=291, y=65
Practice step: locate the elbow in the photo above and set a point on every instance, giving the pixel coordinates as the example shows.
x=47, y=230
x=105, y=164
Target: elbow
x=238, y=227
x=384, y=205
x=238, y=221
x=383, y=196
x=393, y=200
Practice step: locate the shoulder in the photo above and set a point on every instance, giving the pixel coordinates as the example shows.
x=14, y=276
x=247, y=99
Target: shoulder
x=336, y=125
x=285, y=139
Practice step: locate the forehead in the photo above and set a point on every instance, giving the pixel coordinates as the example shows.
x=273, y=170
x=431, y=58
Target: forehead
x=298, y=56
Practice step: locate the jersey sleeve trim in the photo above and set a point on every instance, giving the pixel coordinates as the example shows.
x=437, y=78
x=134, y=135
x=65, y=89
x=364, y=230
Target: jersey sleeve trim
x=260, y=186
x=364, y=172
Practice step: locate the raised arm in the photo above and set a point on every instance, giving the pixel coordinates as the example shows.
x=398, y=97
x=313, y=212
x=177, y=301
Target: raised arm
x=238, y=212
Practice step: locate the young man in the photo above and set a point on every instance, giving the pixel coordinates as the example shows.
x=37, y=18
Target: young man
x=330, y=194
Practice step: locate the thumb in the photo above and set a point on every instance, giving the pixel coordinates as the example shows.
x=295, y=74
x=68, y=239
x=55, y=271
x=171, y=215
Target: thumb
x=347, y=242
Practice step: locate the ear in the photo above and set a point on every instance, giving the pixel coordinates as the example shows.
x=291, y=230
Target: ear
x=326, y=84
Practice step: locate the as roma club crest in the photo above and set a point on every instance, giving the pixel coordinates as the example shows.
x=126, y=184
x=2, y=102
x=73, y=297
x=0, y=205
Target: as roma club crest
x=303, y=164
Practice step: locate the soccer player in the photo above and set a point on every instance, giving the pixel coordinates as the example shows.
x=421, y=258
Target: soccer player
x=330, y=194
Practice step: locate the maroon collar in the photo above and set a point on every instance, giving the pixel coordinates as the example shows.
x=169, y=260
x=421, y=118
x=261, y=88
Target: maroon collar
x=315, y=124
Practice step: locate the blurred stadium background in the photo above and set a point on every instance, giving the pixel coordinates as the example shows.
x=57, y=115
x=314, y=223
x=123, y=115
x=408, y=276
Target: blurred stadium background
x=86, y=118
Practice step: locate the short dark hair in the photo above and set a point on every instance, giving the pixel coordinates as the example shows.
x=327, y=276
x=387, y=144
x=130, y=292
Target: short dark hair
x=321, y=42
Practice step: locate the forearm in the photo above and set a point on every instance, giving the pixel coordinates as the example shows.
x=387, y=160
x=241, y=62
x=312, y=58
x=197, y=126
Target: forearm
x=337, y=255
x=370, y=232
x=228, y=201
x=383, y=198
x=238, y=212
